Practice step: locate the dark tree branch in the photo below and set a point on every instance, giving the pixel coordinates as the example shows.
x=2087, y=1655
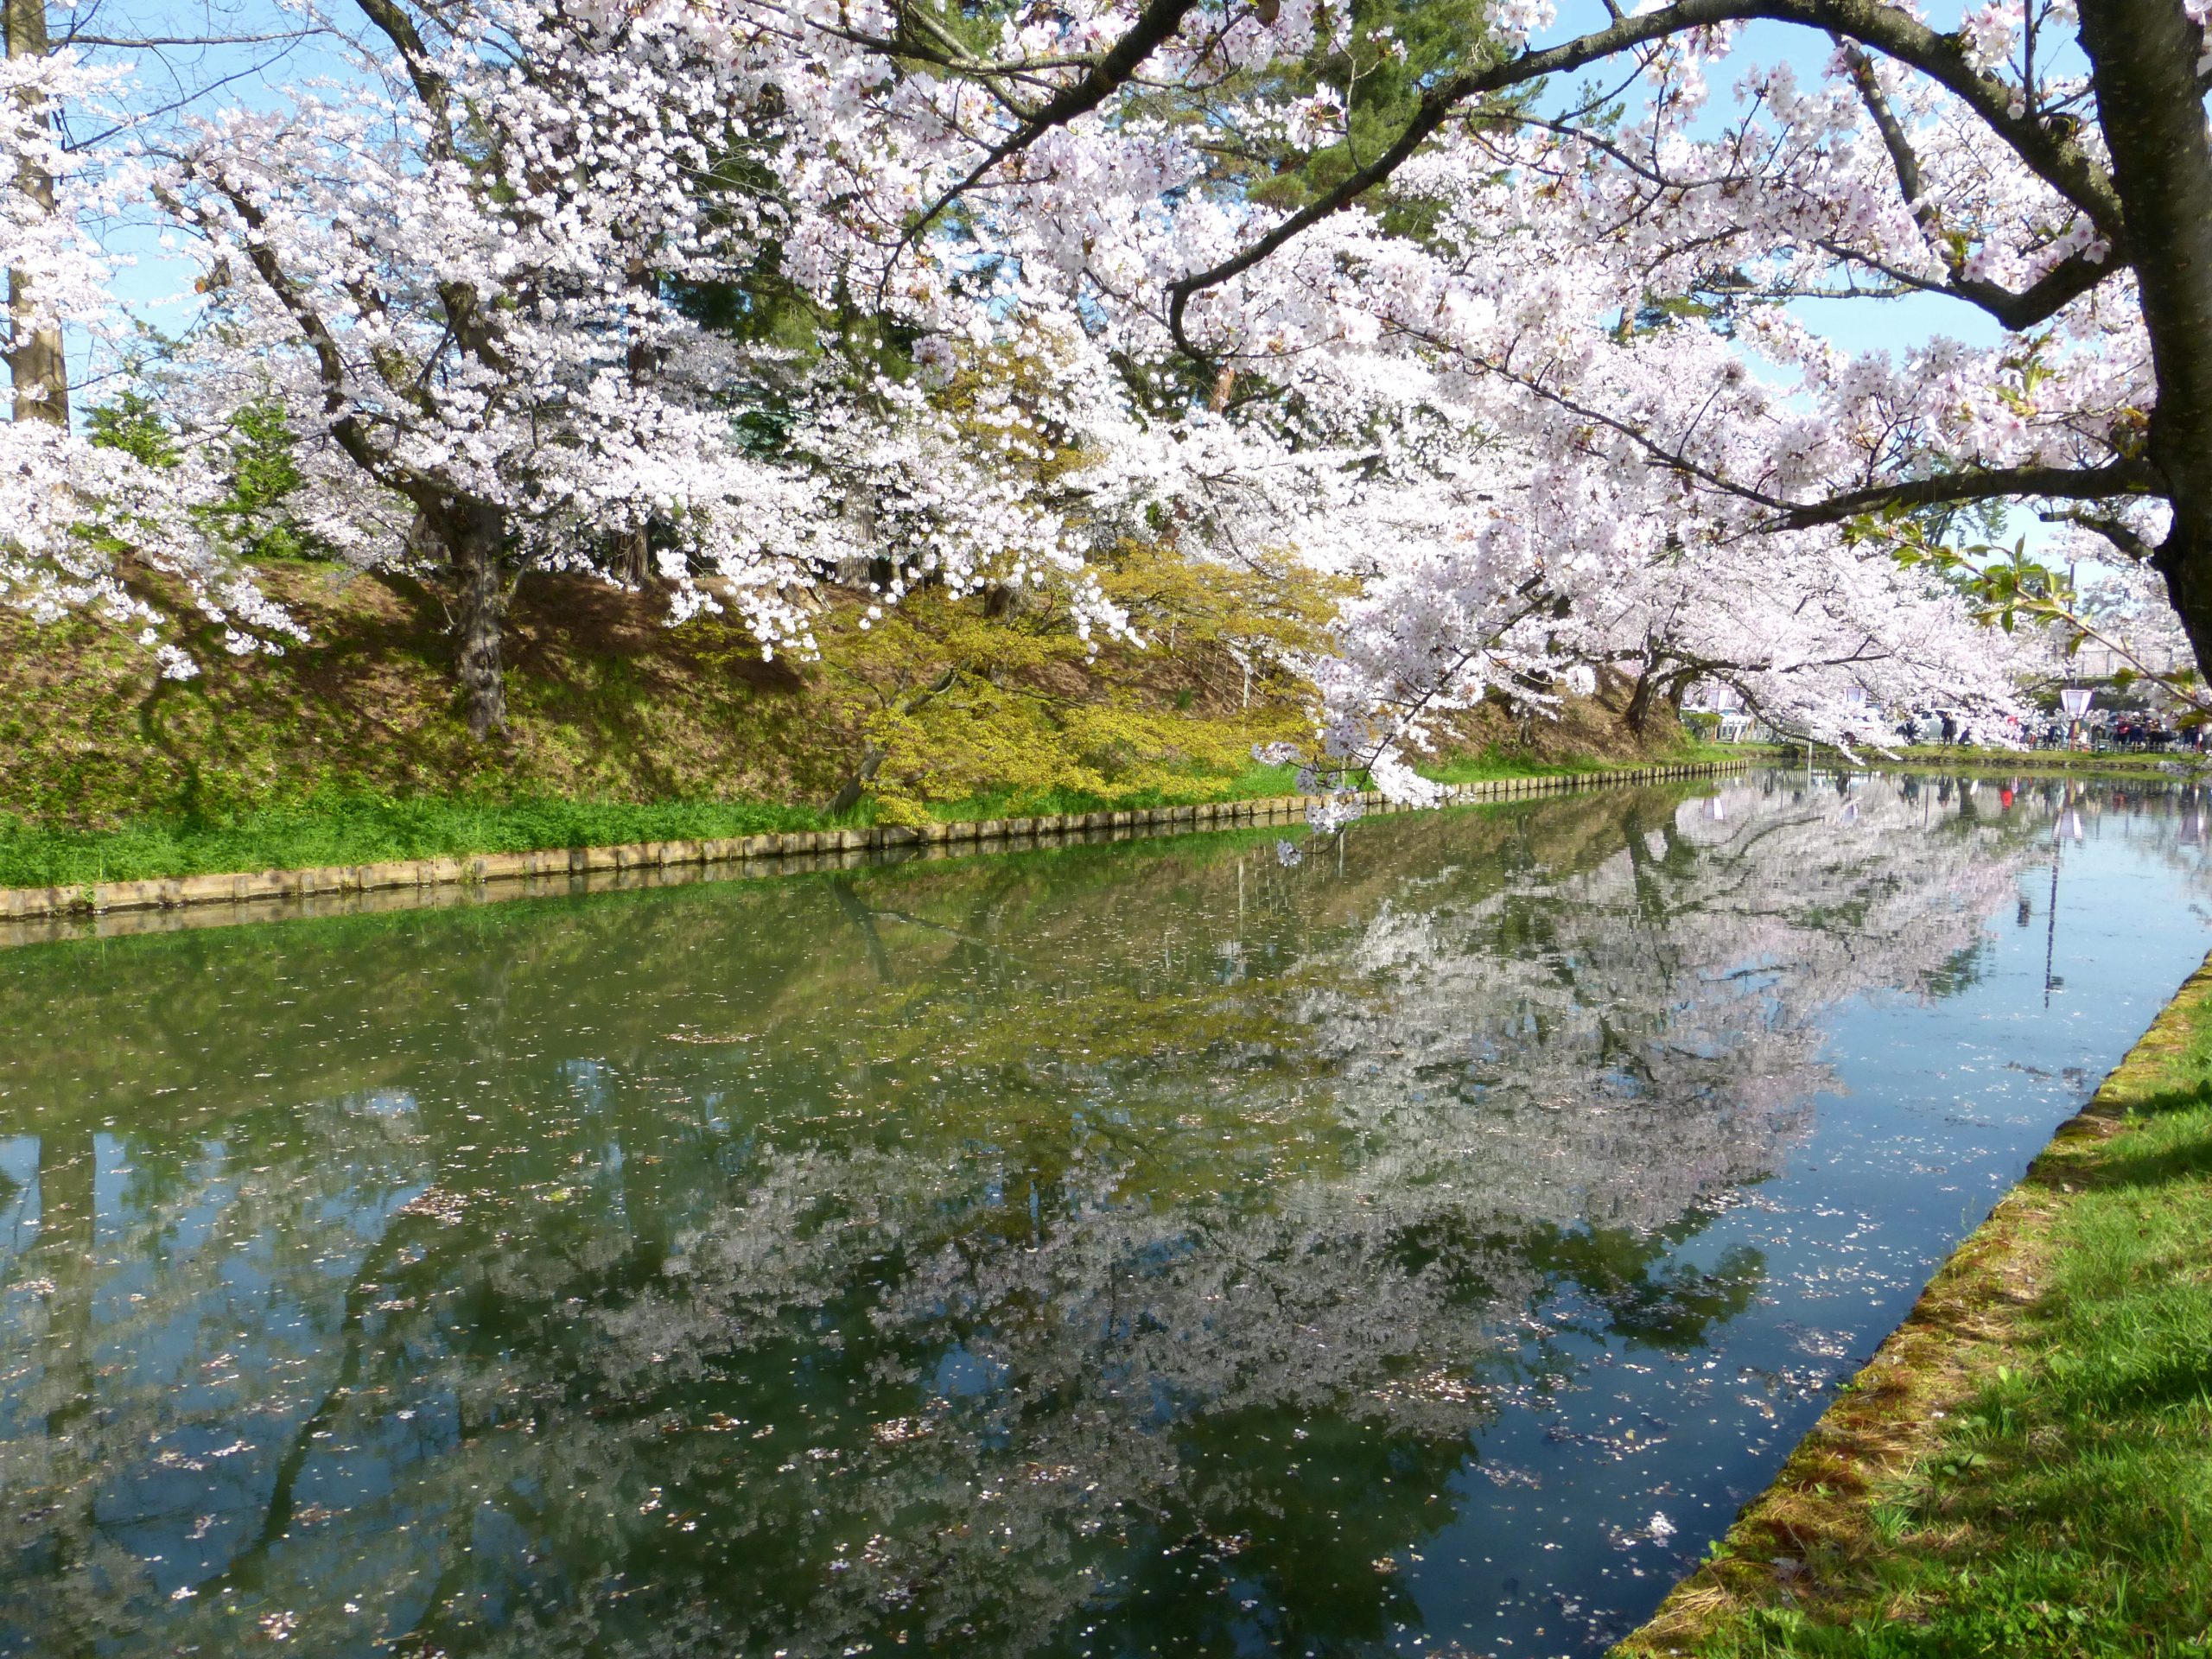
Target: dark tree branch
x=2115, y=479
x=2051, y=293
x=430, y=86
x=147, y=42
x=1903, y=161
x=2118, y=533
x=2051, y=153
x=2118, y=478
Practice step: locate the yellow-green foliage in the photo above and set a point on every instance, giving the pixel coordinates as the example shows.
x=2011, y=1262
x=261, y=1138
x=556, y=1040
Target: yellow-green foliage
x=954, y=701
x=609, y=704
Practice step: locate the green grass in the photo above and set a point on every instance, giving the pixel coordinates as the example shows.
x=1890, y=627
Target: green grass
x=336, y=826
x=343, y=828
x=2061, y=1505
x=2016, y=760
x=351, y=829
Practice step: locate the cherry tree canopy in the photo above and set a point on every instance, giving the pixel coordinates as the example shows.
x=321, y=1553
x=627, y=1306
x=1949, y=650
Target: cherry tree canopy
x=1595, y=276
x=1515, y=357
x=453, y=269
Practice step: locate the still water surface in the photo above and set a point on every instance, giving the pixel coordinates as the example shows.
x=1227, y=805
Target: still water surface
x=1421, y=1246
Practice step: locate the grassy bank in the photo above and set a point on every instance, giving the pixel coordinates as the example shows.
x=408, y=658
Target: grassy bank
x=2007, y=762
x=350, y=748
x=335, y=828
x=339, y=828
x=2026, y=1469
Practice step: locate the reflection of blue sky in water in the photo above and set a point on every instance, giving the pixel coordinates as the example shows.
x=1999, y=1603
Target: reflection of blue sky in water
x=691, y=1269
x=1942, y=1105
x=187, y=1508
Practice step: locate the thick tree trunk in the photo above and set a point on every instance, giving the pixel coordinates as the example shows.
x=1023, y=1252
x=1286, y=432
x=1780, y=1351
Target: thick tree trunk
x=634, y=557
x=473, y=537
x=1638, y=713
x=483, y=620
x=36, y=366
x=2144, y=54
x=2184, y=559
x=856, y=786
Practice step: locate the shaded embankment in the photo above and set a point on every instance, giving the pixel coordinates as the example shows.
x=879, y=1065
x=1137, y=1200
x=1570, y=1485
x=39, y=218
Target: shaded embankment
x=2025, y=1466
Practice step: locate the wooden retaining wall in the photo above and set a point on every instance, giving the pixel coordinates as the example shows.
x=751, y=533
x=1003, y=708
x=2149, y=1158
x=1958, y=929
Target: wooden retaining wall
x=29, y=914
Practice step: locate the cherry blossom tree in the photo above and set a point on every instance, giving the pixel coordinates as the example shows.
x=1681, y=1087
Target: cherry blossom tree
x=454, y=262
x=453, y=269
x=1514, y=359
x=469, y=271
x=1602, y=272
x=1497, y=572
x=69, y=508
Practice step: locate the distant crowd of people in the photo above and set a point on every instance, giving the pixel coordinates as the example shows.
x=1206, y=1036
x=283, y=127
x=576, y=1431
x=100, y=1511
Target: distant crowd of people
x=2100, y=729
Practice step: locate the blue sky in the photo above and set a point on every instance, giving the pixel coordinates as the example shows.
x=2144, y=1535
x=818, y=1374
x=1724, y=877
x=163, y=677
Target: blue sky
x=156, y=285
x=1855, y=325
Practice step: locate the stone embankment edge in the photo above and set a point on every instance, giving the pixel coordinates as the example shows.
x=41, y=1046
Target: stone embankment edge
x=1891, y=1412
x=791, y=852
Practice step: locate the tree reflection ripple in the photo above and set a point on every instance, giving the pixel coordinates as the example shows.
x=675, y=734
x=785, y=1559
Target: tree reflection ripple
x=1165, y=1249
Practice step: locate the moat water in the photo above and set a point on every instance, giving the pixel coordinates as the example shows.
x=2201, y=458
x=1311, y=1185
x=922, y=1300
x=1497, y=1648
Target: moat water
x=1419, y=1241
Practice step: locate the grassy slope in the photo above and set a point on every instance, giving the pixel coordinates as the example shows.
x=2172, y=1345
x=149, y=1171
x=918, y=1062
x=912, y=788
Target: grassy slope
x=351, y=749
x=606, y=703
x=2026, y=1469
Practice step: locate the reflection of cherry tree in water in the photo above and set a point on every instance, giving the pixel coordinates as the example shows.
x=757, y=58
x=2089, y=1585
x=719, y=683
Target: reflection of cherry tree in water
x=1670, y=998
x=133, y=1389
x=993, y=1245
